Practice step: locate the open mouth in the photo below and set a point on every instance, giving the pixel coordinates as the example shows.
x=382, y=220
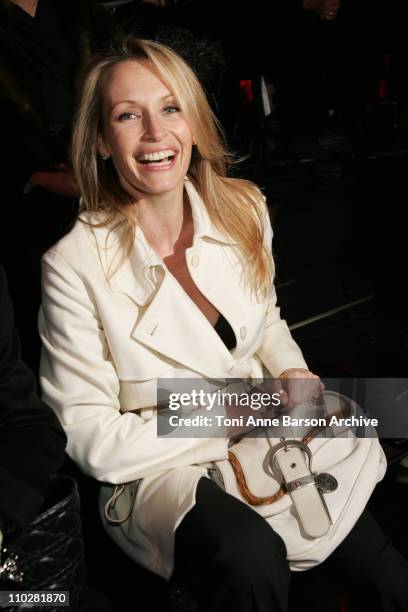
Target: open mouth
x=157, y=159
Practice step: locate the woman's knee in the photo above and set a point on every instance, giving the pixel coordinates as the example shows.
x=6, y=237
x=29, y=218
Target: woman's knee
x=253, y=550
x=225, y=534
x=234, y=527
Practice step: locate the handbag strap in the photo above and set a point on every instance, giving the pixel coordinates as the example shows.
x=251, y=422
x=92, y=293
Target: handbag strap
x=242, y=484
x=245, y=491
x=117, y=492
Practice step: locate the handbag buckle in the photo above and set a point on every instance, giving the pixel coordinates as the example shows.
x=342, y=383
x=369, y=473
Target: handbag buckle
x=287, y=460
x=284, y=446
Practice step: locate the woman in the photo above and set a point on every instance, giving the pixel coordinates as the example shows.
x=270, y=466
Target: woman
x=167, y=273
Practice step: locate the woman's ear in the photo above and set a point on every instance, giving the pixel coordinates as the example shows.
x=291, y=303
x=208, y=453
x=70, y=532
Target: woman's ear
x=102, y=148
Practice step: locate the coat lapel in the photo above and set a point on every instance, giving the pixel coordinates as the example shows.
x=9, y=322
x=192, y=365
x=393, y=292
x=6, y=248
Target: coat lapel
x=177, y=329
x=170, y=323
x=130, y=275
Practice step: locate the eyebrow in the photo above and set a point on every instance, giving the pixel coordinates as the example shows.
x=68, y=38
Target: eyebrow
x=130, y=101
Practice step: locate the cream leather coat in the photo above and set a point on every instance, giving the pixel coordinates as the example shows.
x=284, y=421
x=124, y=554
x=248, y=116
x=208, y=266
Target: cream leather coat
x=105, y=343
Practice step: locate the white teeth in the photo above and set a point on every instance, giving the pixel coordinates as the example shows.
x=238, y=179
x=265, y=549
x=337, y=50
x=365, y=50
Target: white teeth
x=156, y=156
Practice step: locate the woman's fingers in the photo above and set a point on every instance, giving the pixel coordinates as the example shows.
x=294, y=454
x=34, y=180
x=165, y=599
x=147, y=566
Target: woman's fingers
x=300, y=386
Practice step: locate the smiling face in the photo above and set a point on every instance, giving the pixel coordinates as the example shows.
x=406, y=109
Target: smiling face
x=145, y=131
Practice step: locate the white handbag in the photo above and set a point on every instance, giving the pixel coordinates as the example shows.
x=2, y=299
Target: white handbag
x=311, y=489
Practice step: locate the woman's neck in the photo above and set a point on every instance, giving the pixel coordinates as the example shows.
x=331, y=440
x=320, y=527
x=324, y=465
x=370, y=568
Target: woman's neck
x=29, y=6
x=166, y=222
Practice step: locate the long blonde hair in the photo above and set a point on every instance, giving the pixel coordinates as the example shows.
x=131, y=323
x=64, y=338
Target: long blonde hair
x=235, y=206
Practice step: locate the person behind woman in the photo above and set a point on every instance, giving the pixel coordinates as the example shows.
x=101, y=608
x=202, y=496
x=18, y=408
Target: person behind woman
x=32, y=441
x=168, y=273
x=44, y=47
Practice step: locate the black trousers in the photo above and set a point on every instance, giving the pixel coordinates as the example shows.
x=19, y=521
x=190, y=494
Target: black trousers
x=232, y=559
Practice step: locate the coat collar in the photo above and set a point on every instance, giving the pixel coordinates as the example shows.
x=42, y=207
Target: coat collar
x=203, y=226
x=137, y=276
x=170, y=322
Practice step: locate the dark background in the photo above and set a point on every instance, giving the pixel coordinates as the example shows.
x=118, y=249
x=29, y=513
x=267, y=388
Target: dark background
x=332, y=158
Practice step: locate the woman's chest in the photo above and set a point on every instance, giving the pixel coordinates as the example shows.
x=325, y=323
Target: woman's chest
x=177, y=266
x=169, y=329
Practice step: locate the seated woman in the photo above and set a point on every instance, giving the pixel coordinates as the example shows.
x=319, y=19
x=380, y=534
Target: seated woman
x=168, y=273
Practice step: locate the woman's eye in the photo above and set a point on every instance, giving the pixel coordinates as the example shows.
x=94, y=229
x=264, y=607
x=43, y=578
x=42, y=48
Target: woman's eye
x=127, y=116
x=171, y=109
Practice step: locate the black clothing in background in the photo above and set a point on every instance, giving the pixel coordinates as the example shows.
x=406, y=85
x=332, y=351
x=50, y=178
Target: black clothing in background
x=41, y=63
x=32, y=442
x=48, y=61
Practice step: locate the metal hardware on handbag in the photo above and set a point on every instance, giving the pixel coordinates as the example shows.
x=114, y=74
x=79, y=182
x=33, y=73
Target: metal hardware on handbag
x=300, y=482
x=216, y=476
x=287, y=459
x=285, y=445
x=326, y=483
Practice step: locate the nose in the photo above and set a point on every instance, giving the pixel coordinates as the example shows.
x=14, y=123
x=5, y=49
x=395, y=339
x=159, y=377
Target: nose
x=153, y=127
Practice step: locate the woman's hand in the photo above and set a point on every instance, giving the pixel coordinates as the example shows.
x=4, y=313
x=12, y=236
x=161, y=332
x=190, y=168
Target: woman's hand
x=298, y=386
x=294, y=386
x=61, y=182
x=270, y=407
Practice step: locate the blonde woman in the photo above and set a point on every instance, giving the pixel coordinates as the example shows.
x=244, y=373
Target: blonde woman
x=167, y=273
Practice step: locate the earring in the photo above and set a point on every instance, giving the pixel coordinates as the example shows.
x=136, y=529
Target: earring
x=105, y=157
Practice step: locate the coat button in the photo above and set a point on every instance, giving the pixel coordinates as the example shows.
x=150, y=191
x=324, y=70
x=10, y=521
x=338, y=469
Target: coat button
x=195, y=260
x=242, y=333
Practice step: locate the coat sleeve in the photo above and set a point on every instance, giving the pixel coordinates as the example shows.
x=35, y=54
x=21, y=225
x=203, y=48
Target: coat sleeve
x=278, y=351
x=79, y=381
x=32, y=442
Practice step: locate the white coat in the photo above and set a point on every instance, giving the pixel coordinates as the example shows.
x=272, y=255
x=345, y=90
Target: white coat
x=105, y=343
